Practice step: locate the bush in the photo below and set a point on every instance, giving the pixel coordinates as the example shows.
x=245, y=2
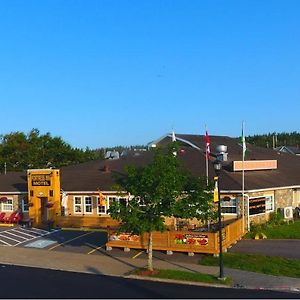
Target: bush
x=275, y=219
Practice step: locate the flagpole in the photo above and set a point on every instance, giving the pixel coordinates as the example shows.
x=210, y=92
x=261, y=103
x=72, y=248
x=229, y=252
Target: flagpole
x=243, y=177
x=206, y=158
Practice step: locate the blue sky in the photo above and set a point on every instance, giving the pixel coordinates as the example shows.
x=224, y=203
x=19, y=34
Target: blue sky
x=101, y=73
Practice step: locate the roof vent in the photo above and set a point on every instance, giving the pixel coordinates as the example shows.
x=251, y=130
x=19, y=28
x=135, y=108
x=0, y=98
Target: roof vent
x=222, y=154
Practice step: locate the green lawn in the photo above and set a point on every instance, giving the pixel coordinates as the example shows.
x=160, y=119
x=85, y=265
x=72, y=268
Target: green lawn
x=183, y=275
x=272, y=265
x=272, y=231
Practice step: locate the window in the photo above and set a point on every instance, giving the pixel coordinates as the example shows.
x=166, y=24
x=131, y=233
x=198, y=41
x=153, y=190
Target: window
x=25, y=207
x=229, y=206
x=123, y=201
x=77, y=205
x=260, y=205
x=103, y=208
x=7, y=205
x=269, y=203
x=88, y=205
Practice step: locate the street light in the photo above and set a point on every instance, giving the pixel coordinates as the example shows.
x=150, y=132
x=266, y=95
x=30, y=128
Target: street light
x=218, y=168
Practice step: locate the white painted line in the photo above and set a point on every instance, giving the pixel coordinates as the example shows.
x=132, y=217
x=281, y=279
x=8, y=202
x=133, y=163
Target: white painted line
x=21, y=237
x=36, y=237
x=9, y=238
x=31, y=231
x=21, y=232
x=5, y=243
x=41, y=230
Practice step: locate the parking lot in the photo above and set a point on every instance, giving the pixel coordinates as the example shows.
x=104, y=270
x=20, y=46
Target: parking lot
x=76, y=241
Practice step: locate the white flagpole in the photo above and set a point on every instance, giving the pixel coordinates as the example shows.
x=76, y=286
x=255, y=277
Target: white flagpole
x=243, y=178
x=206, y=158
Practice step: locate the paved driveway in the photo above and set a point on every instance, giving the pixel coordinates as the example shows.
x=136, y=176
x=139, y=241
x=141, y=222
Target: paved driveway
x=284, y=248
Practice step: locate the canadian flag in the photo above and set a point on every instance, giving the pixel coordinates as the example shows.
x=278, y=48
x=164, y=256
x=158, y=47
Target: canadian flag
x=207, y=142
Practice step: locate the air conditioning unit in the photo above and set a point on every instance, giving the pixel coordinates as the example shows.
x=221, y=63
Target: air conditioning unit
x=288, y=212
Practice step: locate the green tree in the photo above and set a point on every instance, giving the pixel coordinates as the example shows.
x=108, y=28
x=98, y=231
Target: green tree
x=160, y=189
x=20, y=151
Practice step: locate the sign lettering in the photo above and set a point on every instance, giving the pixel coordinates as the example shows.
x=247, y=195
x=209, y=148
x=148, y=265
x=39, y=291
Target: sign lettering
x=40, y=180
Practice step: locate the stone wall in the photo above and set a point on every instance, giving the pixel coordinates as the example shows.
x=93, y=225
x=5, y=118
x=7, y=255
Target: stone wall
x=283, y=198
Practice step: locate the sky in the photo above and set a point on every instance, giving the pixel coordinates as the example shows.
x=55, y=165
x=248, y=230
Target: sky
x=101, y=73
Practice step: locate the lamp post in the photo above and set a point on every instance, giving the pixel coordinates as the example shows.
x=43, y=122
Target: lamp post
x=218, y=167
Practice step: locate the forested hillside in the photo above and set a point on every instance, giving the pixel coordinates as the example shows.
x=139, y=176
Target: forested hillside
x=20, y=151
x=274, y=139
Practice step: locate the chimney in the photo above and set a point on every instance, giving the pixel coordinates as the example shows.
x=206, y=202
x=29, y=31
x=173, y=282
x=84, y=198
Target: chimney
x=222, y=154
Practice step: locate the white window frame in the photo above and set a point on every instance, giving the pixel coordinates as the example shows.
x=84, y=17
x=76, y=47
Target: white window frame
x=75, y=205
x=90, y=205
x=230, y=206
x=106, y=206
x=266, y=211
x=272, y=203
x=25, y=205
x=5, y=204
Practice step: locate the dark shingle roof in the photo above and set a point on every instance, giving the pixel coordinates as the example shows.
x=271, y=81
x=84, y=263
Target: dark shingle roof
x=91, y=175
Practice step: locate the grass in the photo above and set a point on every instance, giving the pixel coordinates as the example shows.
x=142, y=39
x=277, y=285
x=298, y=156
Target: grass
x=182, y=276
x=272, y=265
x=276, y=231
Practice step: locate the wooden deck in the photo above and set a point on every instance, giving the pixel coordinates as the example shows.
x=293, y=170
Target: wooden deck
x=180, y=241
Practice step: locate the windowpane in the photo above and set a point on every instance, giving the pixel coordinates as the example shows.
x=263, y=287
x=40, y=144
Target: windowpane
x=229, y=206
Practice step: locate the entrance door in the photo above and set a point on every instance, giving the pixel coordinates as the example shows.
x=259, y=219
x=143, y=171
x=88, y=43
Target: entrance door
x=44, y=210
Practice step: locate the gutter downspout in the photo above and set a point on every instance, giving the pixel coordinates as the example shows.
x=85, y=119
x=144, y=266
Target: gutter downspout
x=248, y=215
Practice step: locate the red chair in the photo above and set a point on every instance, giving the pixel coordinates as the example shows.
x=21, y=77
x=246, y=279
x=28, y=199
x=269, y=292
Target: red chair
x=2, y=217
x=18, y=218
x=11, y=217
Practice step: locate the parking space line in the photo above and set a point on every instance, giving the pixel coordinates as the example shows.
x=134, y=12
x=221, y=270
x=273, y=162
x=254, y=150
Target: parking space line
x=21, y=237
x=36, y=230
x=70, y=240
x=21, y=232
x=5, y=243
x=95, y=249
x=9, y=238
x=31, y=231
x=138, y=254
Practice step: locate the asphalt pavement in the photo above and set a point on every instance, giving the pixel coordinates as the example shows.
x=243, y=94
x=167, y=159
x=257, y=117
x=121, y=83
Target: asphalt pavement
x=34, y=283
x=84, y=252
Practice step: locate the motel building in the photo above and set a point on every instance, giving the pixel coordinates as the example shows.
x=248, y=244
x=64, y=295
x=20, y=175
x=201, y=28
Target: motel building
x=69, y=196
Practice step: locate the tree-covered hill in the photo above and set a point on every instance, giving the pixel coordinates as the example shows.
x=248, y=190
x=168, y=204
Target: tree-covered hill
x=20, y=151
x=275, y=139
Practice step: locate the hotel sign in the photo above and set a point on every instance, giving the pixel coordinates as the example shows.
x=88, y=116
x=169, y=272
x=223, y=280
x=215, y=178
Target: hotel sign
x=40, y=180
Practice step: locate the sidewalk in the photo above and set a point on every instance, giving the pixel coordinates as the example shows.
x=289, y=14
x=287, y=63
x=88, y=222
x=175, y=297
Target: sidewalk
x=116, y=266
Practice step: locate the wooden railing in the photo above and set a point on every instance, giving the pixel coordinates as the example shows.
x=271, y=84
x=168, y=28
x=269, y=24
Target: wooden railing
x=181, y=241
x=85, y=222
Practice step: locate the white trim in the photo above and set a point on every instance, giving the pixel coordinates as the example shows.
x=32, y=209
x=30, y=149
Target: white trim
x=266, y=211
x=106, y=205
x=12, y=205
x=12, y=193
x=81, y=204
x=23, y=204
x=261, y=190
x=94, y=192
x=84, y=205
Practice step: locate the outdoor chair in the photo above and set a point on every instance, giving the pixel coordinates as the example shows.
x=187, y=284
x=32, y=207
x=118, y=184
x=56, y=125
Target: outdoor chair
x=11, y=217
x=2, y=217
x=18, y=218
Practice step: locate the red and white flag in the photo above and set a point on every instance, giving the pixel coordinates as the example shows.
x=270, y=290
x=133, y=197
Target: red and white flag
x=207, y=142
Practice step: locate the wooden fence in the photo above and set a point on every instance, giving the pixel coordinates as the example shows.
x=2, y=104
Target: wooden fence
x=180, y=241
x=85, y=222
